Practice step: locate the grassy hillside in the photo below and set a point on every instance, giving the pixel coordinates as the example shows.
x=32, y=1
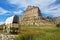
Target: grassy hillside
x=38, y=33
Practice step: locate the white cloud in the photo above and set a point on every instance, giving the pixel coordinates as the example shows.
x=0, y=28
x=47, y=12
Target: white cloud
x=18, y=12
x=42, y=4
x=3, y=11
x=9, y=20
x=31, y=2
x=1, y=23
x=55, y=11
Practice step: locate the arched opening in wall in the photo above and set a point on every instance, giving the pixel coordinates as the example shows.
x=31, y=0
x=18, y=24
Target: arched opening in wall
x=16, y=19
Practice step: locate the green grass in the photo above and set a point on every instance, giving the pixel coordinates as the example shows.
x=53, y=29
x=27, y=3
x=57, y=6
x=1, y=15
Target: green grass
x=44, y=33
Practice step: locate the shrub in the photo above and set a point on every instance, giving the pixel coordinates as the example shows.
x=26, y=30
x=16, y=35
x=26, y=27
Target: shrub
x=58, y=25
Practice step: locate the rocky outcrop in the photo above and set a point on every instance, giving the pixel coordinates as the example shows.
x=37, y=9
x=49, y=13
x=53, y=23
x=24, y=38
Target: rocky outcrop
x=32, y=11
x=32, y=16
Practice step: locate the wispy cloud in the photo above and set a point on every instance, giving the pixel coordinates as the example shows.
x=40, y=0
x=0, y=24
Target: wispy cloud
x=31, y=2
x=1, y=23
x=55, y=11
x=50, y=7
x=18, y=12
x=3, y=11
x=42, y=4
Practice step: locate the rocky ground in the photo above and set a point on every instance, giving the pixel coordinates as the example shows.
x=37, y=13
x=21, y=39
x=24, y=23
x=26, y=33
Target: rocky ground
x=6, y=37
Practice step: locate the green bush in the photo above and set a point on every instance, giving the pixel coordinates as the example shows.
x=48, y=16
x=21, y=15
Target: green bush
x=58, y=25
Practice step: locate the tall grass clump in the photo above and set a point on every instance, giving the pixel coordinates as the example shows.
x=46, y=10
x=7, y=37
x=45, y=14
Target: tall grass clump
x=27, y=35
x=24, y=37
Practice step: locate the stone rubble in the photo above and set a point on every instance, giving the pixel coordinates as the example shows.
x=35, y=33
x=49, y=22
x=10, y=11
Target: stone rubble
x=6, y=37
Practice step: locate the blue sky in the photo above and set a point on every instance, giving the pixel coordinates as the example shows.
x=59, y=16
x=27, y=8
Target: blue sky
x=9, y=8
